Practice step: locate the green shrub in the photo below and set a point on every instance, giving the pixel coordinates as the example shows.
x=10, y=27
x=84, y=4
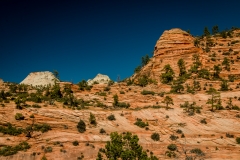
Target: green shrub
x=48, y=149
x=81, y=126
x=75, y=143
x=36, y=106
x=42, y=127
x=19, y=116
x=173, y=137
x=170, y=154
x=238, y=140
x=179, y=131
x=123, y=105
x=11, y=130
x=102, y=94
x=155, y=137
x=102, y=131
x=197, y=151
x=172, y=147
x=229, y=135
x=9, y=150
x=203, y=121
x=107, y=89
x=122, y=92
x=145, y=92
x=140, y=123
x=111, y=117
x=92, y=119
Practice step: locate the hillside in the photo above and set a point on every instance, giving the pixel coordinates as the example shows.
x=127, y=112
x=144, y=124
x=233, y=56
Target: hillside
x=195, y=108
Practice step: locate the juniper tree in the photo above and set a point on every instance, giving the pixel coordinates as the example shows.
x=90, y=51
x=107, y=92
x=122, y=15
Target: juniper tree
x=213, y=100
x=168, y=101
x=168, y=75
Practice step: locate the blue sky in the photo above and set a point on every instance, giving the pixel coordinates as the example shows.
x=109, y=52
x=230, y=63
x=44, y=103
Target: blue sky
x=80, y=38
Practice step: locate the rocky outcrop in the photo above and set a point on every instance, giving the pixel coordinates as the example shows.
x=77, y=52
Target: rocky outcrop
x=1, y=81
x=40, y=79
x=100, y=79
x=175, y=44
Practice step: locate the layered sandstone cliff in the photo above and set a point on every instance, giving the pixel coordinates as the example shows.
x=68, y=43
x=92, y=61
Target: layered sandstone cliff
x=175, y=44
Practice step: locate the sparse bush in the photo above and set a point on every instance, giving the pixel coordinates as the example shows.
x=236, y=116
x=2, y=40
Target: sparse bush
x=203, y=121
x=92, y=119
x=75, y=143
x=48, y=149
x=42, y=127
x=107, y=88
x=173, y=137
x=19, y=116
x=122, y=92
x=179, y=131
x=238, y=140
x=11, y=130
x=9, y=150
x=229, y=135
x=197, y=151
x=111, y=117
x=102, y=131
x=155, y=137
x=36, y=106
x=172, y=147
x=81, y=126
x=140, y=123
x=145, y=92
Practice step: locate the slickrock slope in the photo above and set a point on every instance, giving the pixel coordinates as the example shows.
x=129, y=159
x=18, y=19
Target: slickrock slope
x=40, y=79
x=100, y=78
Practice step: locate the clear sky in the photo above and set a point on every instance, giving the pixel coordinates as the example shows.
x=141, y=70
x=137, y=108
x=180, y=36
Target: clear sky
x=80, y=38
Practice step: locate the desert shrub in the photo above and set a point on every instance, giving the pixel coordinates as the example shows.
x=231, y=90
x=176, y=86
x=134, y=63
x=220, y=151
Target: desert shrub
x=42, y=127
x=48, y=149
x=11, y=130
x=145, y=92
x=161, y=94
x=81, y=126
x=9, y=150
x=170, y=154
x=111, y=117
x=140, y=123
x=173, y=137
x=19, y=116
x=203, y=121
x=123, y=105
x=75, y=143
x=197, y=151
x=92, y=119
x=102, y=131
x=229, y=135
x=155, y=137
x=172, y=147
x=107, y=88
x=179, y=131
x=102, y=94
x=238, y=140
x=235, y=107
x=36, y=106
x=122, y=92
x=231, y=78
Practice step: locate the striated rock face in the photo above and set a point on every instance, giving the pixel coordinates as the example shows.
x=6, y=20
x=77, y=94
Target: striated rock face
x=40, y=78
x=175, y=44
x=100, y=78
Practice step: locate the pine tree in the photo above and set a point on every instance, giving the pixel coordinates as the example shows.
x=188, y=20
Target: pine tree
x=206, y=32
x=215, y=30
